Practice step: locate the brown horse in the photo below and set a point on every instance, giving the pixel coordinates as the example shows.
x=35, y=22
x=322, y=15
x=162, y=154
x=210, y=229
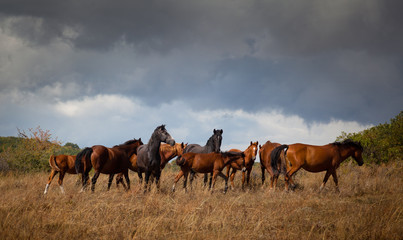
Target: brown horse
x=107, y=160
x=61, y=164
x=317, y=158
x=167, y=152
x=205, y=163
x=265, y=163
x=245, y=164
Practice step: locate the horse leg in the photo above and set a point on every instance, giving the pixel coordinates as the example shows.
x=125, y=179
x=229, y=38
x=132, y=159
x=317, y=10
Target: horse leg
x=248, y=177
x=111, y=180
x=157, y=179
x=61, y=176
x=140, y=174
x=289, y=174
x=126, y=174
x=205, y=179
x=51, y=176
x=263, y=173
x=211, y=178
x=334, y=175
x=327, y=175
x=147, y=178
x=94, y=180
x=192, y=175
x=180, y=174
x=232, y=178
x=225, y=179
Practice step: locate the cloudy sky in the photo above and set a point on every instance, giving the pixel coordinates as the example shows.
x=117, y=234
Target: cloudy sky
x=102, y=72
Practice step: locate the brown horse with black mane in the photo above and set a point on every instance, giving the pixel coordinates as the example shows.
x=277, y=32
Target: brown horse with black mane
x=61, y=164
x=317, y=158
x=245, y=164
x=106, y=160
x=205, y=163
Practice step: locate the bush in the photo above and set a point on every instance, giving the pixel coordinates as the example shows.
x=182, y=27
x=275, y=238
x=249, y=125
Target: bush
x=31, y=152
x=382, y=143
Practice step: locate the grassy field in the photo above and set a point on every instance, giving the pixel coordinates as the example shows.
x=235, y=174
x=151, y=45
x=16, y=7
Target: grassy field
x=369, y=206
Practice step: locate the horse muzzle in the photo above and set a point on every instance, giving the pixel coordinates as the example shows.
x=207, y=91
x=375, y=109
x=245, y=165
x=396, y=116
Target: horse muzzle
x=171, y=142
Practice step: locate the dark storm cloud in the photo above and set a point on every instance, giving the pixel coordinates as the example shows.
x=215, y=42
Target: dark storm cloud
x=318, y=59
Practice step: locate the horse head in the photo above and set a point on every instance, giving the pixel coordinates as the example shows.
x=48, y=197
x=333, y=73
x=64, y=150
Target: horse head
x=164, y=135
x=217, y=139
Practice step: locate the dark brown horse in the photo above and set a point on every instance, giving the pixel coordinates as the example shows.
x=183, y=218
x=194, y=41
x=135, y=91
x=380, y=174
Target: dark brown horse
x=205, y=163
x=245, y=164
x=317, y=158
x=167, y=153
x=61, y=164
x=107, y=160
x=265, y=163
x=148, y=156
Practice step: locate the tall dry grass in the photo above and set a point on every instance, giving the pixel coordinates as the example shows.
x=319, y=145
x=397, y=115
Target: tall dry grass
x=369, y=206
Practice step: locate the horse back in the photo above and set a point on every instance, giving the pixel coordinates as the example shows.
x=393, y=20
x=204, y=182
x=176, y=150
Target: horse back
x=310, y=157
x=207, y=162
x=195, y=148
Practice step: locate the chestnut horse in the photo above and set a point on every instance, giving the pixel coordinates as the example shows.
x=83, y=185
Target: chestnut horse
x=106, y=160
x=317, y=158
x=265, y=163
x=61, y=164
x=205, y=163
x=245, y=164
x=213, y=145
x=148, y=155
x=167, y=153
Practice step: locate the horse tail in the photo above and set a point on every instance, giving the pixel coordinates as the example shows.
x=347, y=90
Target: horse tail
x=274, y=157
x=86, y=153
x=53, y=164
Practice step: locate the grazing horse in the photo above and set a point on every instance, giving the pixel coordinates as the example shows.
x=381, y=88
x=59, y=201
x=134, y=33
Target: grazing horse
x=107, y=160
x=148, y=155
x=244, y=164
x=265, y=163
x=317, y=158
x=61, y=164
x=213, y=145
x=205, y=163
x=167, y=152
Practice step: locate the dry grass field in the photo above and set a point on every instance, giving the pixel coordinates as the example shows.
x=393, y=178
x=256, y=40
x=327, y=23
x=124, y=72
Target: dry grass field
x=369, y=206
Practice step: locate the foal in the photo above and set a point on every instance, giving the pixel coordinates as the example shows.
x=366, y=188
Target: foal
x=61, y=164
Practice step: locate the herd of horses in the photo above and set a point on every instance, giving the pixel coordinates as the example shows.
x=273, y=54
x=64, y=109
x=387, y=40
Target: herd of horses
x=151, y=158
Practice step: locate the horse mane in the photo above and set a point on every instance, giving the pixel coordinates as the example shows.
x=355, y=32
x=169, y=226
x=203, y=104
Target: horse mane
x=151, y=140
x=349, y=143
x=128, y=142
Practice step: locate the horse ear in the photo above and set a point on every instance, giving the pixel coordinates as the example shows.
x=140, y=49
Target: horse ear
x=222, y=131
x=250, y=142
x=182, y=145
x=214, y=131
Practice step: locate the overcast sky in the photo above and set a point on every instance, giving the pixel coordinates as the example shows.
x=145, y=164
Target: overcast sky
x=103, y=72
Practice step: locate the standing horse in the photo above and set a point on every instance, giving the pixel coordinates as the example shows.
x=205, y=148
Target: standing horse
x=244, y=164
x=265, y=163
x=107, y=160
x=148, y=155
x=317, y=158
x=205, y=163
x=167, y=153
x=61, y=164
x=213, y=145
